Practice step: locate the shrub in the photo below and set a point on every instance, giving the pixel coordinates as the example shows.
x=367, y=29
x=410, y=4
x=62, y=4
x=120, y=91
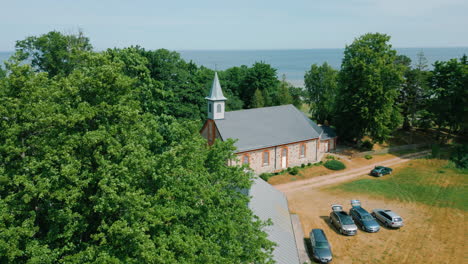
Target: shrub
x=330, y=157
x=303, y=165
x=309, y=164
x=334, y=165
x=266, y=176
x=368, y=157
x=459, y=156
x=294, y=171
x=367, y=145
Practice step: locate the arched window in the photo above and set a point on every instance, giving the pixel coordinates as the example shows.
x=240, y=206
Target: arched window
x=302, y=150
x=245, y=159
x=218, y=108
x=266, y=158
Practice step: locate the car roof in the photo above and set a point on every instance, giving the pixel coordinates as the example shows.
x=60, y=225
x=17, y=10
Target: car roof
x=319, y=235
x=342, y=214
x=379, y=167
x=391, y=213
x=361, y=210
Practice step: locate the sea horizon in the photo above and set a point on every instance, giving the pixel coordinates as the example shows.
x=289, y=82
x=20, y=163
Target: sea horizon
x=293, y=63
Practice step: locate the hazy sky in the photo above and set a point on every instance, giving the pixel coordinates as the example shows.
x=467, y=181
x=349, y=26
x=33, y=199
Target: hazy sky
x=238, y=24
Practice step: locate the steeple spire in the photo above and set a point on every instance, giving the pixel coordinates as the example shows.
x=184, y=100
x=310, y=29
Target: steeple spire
x=216, y=100
x=216, y=92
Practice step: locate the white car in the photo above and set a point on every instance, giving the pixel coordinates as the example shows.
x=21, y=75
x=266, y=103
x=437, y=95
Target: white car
x=388, y=218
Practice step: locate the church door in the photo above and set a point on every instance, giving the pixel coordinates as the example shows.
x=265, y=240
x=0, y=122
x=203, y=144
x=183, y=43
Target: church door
x=284, y=158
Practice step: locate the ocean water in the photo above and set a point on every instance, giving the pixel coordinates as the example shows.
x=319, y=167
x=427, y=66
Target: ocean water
x=293, y=63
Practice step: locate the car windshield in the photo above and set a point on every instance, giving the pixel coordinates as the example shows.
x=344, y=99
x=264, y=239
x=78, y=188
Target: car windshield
x=347, y=221
x=321, y=245
x=367, y=218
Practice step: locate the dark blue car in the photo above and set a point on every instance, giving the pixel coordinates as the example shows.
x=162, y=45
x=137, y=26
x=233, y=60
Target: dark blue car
x=320, y=246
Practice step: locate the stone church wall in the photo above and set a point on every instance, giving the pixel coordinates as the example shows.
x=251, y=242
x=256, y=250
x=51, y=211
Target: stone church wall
x=275, y=159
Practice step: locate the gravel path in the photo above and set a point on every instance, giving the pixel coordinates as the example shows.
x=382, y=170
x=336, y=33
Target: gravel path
x=334, y=178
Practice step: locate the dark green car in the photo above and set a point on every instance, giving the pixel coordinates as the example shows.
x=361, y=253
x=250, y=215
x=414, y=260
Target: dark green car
x=381, y=171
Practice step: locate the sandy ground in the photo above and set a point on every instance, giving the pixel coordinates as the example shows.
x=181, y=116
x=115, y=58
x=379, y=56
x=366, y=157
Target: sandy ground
x=344, y=175
x=430, y=234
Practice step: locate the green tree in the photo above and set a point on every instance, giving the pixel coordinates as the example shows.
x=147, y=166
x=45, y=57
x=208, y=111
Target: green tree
x=321, y=84
x=258, y=100
x=413, y=89
x=283, y=96
x=369, y=84
x=448, y=95
x=54, y=52
x=89, y=175
x=263, y=77
x=297, y=94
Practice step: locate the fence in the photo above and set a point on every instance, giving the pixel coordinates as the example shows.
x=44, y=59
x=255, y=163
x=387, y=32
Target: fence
x=390, y=150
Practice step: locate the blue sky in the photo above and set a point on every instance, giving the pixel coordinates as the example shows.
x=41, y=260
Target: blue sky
x=239, y=24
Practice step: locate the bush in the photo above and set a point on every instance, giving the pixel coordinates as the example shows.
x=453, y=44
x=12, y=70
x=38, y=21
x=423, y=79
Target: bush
x=367, y=145
x=368, y=157
x=303, y=165
x=294, y=171
x=266, y=176
x=309, y=164
x=459, y=156
x=334, y=165
x=330, y=157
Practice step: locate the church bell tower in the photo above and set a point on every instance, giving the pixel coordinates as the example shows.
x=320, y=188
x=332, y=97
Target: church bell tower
x=216, y=100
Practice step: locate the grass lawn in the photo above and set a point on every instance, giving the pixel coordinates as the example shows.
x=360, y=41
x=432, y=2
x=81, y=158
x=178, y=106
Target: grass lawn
x=430, y=181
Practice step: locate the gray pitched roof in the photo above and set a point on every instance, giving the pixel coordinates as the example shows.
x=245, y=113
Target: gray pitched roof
x=269, y=203
x=216, y=92
x=327, y=132
x=266, y=127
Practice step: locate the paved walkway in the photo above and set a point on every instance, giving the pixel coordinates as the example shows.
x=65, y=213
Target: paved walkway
x=300, y=243
x=334, y=178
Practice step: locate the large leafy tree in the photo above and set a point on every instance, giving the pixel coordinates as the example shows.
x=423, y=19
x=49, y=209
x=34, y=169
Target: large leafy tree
x=283, y=96
x=321, y=83
x=90, y=174
x=369, y=83
x=54, y=52
x=413, y=90
x=448, y=94
x=263, y=77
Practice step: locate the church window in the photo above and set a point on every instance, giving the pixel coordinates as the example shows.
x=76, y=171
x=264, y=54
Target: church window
x=209, y=108
x=218, y=108
x=266, y=158
x=302, y=151
x=245, y=159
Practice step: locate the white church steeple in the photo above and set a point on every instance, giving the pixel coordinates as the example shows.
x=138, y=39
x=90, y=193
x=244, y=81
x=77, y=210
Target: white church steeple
x=216, y=100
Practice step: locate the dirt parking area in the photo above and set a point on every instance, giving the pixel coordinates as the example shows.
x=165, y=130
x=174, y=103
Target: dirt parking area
x=430, y=234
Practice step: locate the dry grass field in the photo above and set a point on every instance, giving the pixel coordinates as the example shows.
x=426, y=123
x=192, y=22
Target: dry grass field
x=431, y=198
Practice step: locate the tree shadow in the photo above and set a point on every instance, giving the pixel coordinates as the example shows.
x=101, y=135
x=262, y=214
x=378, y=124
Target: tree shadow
x=326, y=219
x=309, y=250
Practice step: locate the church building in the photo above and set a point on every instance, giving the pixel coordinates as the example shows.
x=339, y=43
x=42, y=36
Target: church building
x=269, y=139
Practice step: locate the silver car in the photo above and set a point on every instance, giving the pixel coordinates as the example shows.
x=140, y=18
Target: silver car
x=388, y=218
x=342, y=221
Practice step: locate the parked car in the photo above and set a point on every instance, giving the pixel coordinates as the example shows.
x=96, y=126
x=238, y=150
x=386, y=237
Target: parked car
x=363, y=218
x=342, y=221
x=320, y=247
x=388, y=218
x=380, y=171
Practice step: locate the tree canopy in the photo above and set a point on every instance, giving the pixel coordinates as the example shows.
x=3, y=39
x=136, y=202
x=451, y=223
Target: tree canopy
x=94, y=168
x=369, y=83
x=321, y=83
